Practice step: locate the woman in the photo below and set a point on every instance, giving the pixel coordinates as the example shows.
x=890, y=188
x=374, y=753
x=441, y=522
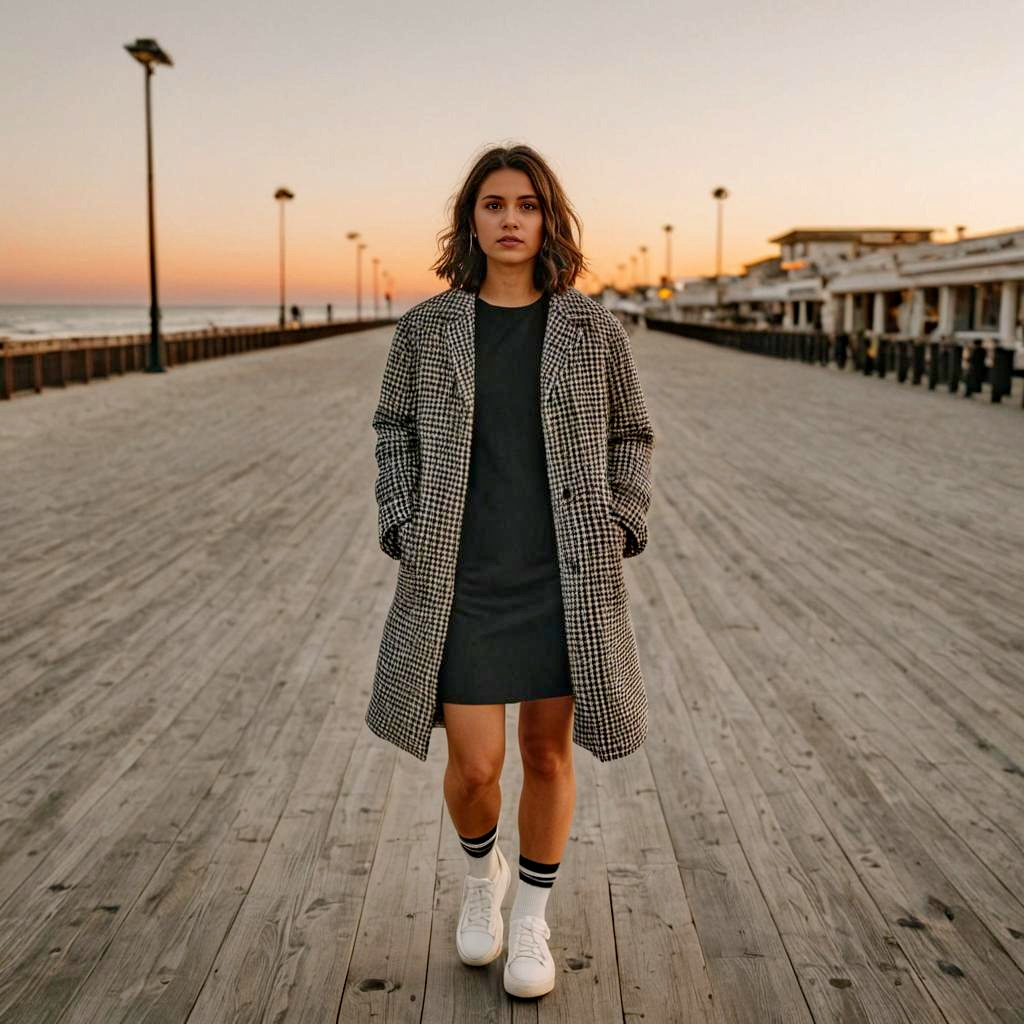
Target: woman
x=514, y=450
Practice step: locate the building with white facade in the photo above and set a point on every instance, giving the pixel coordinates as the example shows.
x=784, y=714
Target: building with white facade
x=884, y=280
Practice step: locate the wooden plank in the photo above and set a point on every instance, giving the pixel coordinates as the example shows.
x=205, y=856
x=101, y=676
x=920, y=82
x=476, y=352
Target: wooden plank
x=762, y=649
x=661, y=963
x=931, y=713
x=288, y=949
x=387, y=964
x=83, y=754
x=828, y=924
x=229, y=793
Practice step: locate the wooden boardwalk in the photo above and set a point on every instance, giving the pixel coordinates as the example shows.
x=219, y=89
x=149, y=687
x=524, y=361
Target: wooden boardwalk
x=826, y=823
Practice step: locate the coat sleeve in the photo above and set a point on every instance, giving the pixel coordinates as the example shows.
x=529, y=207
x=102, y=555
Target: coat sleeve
x=397, y=445
x=630, y=444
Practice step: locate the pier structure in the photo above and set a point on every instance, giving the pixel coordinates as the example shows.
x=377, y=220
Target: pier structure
x=826, y=822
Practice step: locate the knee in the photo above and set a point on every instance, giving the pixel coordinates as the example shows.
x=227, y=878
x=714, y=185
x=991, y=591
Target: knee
x=545, y=759
x=476, y=774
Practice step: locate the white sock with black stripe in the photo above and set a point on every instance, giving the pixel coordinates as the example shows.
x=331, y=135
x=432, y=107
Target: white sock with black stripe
x=483, y=861
x=535, y=882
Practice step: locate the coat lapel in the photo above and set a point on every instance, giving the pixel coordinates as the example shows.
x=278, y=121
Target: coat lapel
x=562, y=332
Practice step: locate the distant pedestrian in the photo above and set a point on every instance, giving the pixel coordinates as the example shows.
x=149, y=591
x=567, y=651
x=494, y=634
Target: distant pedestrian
x=328, y=312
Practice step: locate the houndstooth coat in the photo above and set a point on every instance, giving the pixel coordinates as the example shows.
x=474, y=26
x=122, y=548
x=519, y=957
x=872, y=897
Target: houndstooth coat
x=598, y=442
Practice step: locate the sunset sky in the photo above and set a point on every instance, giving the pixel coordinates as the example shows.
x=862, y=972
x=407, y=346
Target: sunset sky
x=873, y=112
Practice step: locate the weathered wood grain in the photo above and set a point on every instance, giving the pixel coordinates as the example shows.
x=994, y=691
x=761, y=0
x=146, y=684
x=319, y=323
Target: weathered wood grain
x=826, y=823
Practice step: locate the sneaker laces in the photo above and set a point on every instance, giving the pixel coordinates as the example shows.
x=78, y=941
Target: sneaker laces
x=479, y=903
x=530, y=934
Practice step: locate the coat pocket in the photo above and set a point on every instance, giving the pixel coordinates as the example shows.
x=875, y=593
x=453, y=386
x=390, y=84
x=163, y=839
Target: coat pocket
x=405, y=585
x=618, y=530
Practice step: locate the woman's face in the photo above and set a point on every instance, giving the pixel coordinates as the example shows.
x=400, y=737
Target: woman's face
x=507, y=206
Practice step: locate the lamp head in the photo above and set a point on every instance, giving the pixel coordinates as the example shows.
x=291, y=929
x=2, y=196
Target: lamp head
x=148, y=52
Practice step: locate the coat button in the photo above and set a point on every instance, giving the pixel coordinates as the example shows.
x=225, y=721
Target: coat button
x=566, y=493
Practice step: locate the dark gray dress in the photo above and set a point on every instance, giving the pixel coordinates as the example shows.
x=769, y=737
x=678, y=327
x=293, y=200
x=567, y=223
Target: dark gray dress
x=506, y=631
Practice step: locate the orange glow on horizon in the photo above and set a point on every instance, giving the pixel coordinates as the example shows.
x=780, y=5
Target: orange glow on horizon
x=374, y=121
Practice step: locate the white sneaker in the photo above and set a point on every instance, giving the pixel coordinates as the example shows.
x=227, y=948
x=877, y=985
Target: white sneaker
x=529, y=969
x=480, y=931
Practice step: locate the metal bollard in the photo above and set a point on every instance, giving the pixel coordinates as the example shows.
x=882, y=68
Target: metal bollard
x=867, y=359
x=975, y=368
x=902, y=360
x=956, y=363
x=934, y=364
x=918, y=361
x=1002, y=372
x=842, y=349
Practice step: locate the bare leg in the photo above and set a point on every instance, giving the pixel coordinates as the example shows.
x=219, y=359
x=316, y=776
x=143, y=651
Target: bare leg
x=549, y=781
x=476, y=753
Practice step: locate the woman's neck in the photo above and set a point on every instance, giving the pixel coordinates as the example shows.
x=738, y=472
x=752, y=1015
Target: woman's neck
x=509, y=289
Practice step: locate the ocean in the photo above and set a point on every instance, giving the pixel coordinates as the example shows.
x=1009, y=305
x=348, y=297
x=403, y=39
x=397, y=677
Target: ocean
x=27, y=322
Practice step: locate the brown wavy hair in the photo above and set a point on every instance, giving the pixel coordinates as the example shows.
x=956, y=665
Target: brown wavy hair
x=559, y=261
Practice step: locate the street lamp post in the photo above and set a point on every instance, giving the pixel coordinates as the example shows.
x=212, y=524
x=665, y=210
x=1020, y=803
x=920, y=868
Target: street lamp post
x=721, y=194
x=667, y=228
x=360, y=246
x=353, y=236
x=282, y=195
x=148, y=53
x=375, y=262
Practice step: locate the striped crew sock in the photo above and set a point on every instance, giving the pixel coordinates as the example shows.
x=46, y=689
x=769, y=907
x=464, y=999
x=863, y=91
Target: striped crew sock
x=483, y=861
x=535, y=882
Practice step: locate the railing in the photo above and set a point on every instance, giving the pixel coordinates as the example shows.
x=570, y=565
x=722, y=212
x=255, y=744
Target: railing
x=56, y=362
x=942, y=361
